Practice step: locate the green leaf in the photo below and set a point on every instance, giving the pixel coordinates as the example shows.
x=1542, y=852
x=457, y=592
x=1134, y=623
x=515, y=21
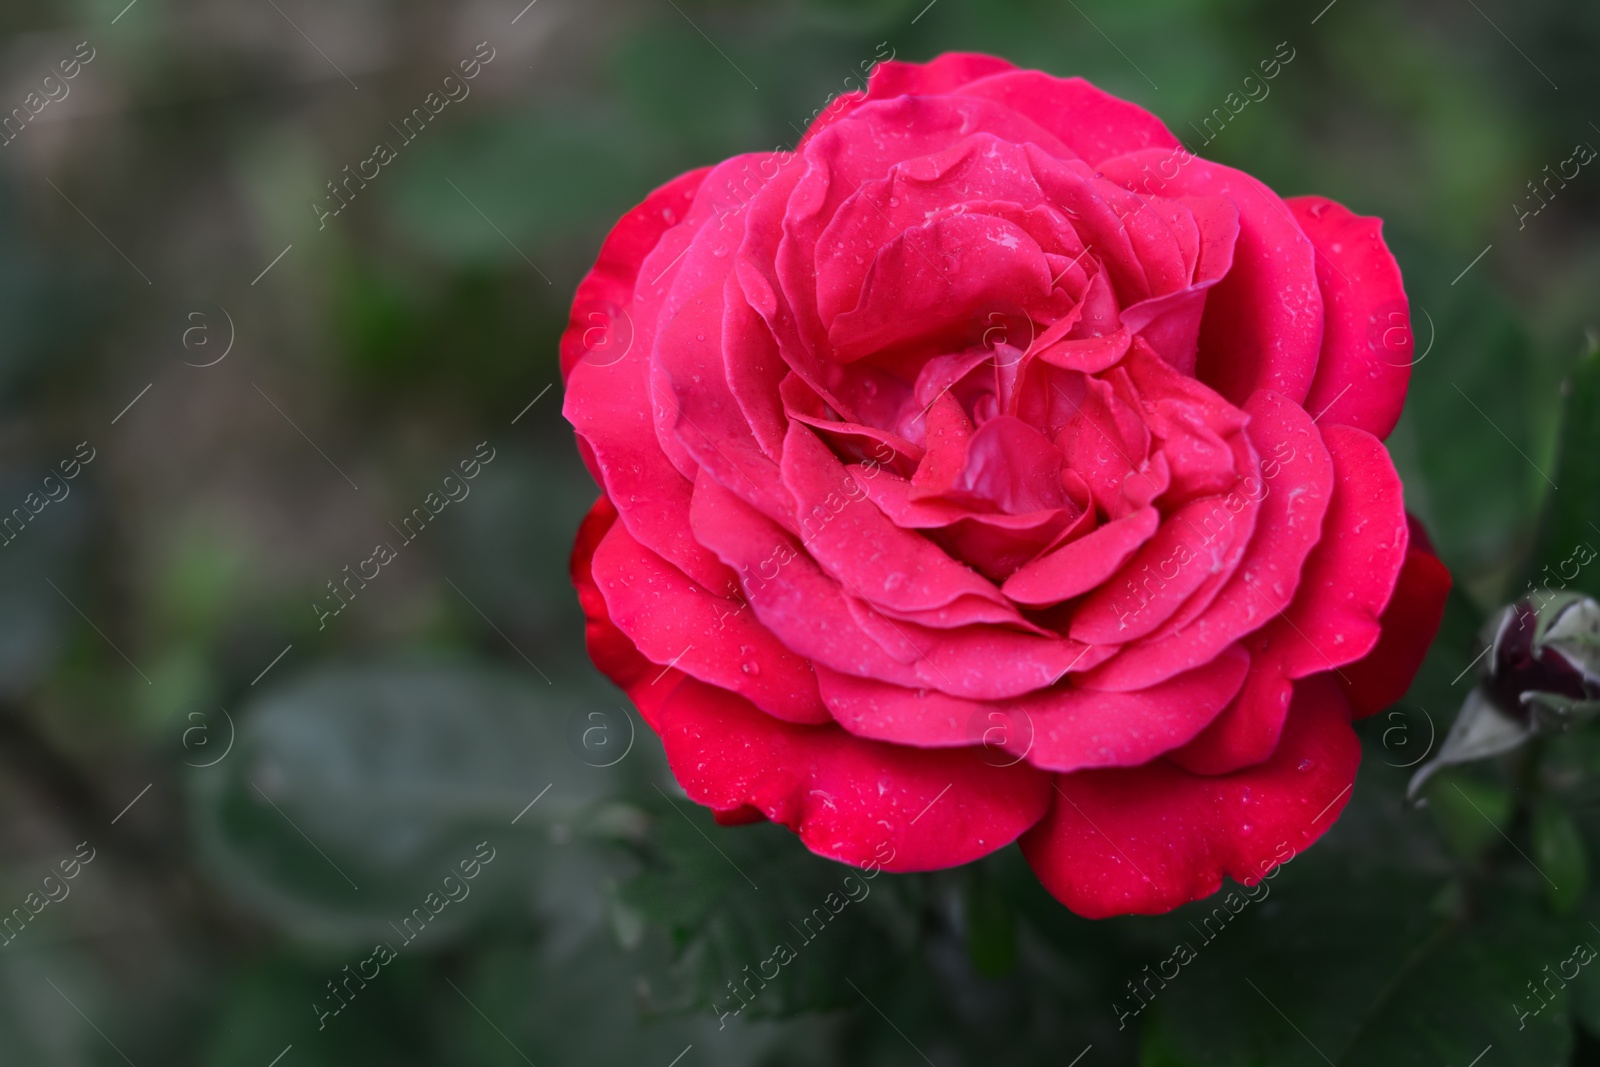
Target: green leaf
x=1372, y=948
x=580, y=1004
x=760, y=926
x=1382, y=974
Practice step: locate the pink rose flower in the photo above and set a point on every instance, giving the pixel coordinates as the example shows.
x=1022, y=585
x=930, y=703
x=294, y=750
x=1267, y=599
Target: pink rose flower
x=990, y=467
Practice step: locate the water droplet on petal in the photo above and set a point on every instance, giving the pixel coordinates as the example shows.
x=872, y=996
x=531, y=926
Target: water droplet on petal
x=751, y=667
x=1305, y=765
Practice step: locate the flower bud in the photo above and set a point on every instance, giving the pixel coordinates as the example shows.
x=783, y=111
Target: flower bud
x=1539, y=675
x=1545, y=661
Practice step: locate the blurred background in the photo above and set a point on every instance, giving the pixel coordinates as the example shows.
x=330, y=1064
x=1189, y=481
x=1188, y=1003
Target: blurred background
x=227, y=374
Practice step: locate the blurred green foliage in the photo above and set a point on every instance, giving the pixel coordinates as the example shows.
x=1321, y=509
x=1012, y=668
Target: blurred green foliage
x=161, y=615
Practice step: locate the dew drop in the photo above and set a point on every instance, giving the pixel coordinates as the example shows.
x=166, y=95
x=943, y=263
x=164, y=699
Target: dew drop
x=750, y=667
x=1305, y=765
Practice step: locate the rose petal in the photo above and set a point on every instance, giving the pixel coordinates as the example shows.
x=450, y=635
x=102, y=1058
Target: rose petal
x=1144, y=840
x=928, y=277
x=856, y=544
x=1351, y=575
x=1083, y=564
x=816, y=619
x=890, y=78
x=1090, y=121
x=1288, y=525
x=1409, y=624
x=1367, y=345
x=1263, y=323
x=608, y=646
x=599, y=326
x=859, y=802
x=674, y=622
x=1060, y=729
x=1334, y=618
x=1248, y=729
x=1152, y=585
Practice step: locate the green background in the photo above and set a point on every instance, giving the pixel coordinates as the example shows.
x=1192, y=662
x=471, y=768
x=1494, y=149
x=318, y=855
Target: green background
x=140, y=616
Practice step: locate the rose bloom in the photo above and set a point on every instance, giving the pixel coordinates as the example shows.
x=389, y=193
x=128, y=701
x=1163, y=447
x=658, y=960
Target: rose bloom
x=991, y=467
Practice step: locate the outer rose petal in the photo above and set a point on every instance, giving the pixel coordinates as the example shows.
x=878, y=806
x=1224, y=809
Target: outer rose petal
x=608, y=395
x=1248, y=730
x=673, y=621
x=1335, y=616
x=1144, y=840
x=609, y=647
x=1409, y=624
x=851, y=800
x=1367, y=346
x=606, y=291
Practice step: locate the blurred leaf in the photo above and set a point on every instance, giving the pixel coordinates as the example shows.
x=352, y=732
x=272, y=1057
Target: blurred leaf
x=1572, y=515
x=200, y=582
x=1473, y=429
x=1558, y=851
x=270, y=1005
x=537, y=178
x=1471, y=813
x=679, y=86
x=353, y=791
x=991, y=926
